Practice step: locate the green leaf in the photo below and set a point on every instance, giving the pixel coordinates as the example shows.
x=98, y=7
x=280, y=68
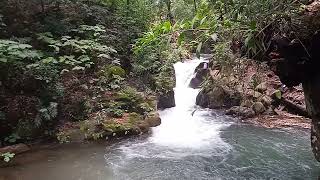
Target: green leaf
x=181, y=38
x=106, y=56
x=4, y=60
x=56, y=48
x=166, y=27
x=203, y=20
x=78, y=68
x=278, y=94
x=49, y=60
x=7, y=156
x=253, y=25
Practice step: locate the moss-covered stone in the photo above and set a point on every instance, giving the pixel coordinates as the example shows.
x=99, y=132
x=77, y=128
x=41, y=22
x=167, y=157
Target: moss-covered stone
x=109, y=71
x=113, y=126
x=153, y=119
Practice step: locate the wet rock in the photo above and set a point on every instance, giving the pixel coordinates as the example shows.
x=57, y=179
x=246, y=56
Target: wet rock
x=262, y=87
x=244, y=112
x=200, y=74
x=258, y=108
x=218, y=97
x=153, y=119
x=166, y=100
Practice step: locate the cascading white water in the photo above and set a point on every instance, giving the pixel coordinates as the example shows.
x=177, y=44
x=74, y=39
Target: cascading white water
x=183, y=132
x=181, y=126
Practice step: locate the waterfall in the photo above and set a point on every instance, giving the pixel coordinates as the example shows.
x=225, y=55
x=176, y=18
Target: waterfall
x=184, y=126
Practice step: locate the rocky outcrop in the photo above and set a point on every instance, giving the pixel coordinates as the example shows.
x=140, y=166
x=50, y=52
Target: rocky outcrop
x=166, y=100
x=201, y=73
x=93, y=129
x=218, y=97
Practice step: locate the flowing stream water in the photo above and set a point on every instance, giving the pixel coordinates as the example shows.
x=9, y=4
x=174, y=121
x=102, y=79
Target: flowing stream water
x=191, y=143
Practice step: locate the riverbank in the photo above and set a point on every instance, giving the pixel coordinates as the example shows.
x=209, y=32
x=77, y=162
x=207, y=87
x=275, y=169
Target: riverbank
x=253, y=94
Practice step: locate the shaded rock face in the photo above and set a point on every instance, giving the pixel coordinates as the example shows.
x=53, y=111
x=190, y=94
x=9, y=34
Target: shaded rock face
x=166, y=100
x=296, y=60
x=218, y=97
x=200, y=74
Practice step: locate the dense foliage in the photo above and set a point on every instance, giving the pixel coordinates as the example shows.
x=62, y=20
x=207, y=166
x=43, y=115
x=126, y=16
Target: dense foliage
x=61, y=60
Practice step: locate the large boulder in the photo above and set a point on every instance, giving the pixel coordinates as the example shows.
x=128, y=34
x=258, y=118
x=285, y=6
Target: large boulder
x=262, y=87
x=200, y=74
x=244, y=112
x=258, y=108
x=166, y=100
x=218, y=97
x=253, y=94
x=153, y=119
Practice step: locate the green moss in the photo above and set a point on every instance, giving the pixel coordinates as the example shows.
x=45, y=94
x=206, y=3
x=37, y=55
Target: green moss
x=109, y=71
x=164, y=82
x=130, y=99
x=91, y=134
x=134, y=118
x=114, y=126
x=114, y=109
x=144, y=107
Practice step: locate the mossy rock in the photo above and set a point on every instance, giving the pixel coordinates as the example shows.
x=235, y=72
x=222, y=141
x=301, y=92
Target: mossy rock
x=109, y=71
x=134, y=118
x=153, y=119
x=143, y=108
x=131, y=100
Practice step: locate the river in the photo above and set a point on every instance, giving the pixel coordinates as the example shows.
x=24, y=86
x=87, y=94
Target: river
x=191, y=143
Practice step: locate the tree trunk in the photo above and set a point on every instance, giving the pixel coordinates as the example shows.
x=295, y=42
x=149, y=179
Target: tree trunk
x=311, y=90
